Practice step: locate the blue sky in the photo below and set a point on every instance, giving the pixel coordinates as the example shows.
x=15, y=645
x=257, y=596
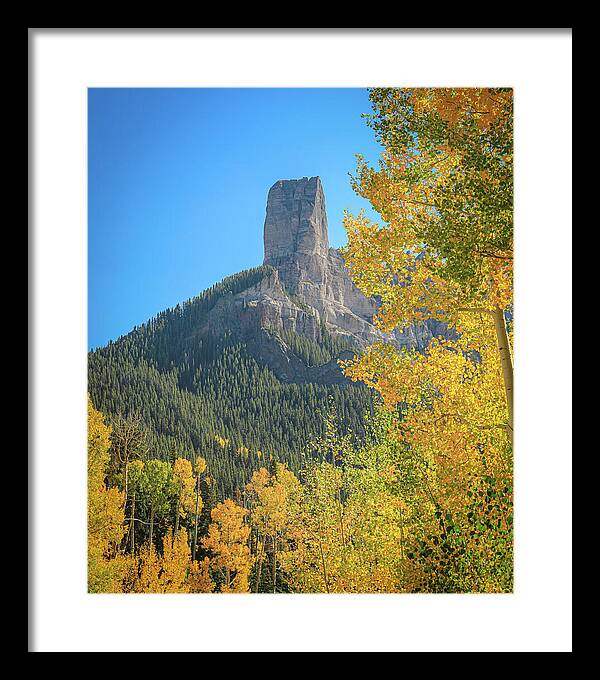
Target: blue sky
x=178, y=180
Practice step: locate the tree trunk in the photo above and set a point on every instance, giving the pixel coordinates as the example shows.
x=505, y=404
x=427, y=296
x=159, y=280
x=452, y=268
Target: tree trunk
x=325, y=576
x=274, y=561
x=506, y=361
x=341, y=517
x=196, y=520
x=260, y=551
x=126, y=477
x=177, y=517
x=151, y=525
x=132, y=525
x=401, y=534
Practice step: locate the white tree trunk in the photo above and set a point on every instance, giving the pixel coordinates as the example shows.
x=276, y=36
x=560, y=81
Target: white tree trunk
x=506, y=362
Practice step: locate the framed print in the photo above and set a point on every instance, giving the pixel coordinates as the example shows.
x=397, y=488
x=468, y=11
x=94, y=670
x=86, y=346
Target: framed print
x=290, y=339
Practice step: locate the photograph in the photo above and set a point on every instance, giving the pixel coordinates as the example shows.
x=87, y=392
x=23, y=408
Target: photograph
x=300, y=340
x=335, y=415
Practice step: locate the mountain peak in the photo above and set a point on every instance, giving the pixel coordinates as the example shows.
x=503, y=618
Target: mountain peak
x=296, y=221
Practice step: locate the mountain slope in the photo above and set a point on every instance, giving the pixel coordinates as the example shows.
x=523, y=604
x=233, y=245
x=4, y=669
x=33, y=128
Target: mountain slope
x=244, y=373
x=191, y=386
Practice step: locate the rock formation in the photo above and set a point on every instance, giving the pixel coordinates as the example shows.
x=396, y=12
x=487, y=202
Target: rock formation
x=307, y=290
x=297, y=246
x=296, y=238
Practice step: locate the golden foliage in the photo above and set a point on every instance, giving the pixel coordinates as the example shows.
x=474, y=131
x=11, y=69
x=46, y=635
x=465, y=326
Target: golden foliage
x=200, y=465
x=176, y=563
x=184, y=484
x=227, y=541
x=444, y=191
x=199, y=580
x=221, y=441
x=105, y=511
x=171, y=572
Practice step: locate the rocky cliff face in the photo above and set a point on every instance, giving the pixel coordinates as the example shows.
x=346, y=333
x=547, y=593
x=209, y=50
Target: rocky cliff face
x=297, y=246
x=307, y=291
x=296, y=238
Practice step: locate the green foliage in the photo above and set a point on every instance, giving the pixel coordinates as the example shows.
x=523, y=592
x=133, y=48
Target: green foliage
x=313, y=353
x=472, y=549
x=188, y=389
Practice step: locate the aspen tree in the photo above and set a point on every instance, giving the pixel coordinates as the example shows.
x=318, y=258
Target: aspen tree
x=199, y=469
x=128, y=443
x=444, y=192
x=136, y=469
x=155, y=488
x=227, y=540
x=183, y=486
x=105, y=510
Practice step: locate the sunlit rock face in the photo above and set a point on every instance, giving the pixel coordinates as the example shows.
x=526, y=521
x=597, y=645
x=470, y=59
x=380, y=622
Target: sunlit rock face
x=308, y=291
x=295, y=235
x=297, y=246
